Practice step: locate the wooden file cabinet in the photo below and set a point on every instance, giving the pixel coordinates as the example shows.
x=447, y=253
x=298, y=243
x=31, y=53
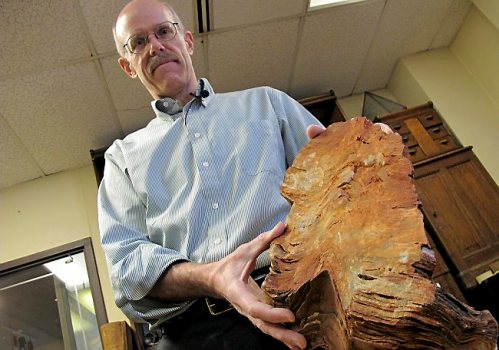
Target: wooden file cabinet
x=460, y=202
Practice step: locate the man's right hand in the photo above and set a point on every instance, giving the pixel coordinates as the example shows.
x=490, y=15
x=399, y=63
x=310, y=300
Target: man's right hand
x=231, y=279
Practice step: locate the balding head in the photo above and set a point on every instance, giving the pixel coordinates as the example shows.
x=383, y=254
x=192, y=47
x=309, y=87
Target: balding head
x=120, y=37
x=164, y=66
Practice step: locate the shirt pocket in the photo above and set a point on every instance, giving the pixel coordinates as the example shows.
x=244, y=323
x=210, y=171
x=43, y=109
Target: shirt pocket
x=257, y=146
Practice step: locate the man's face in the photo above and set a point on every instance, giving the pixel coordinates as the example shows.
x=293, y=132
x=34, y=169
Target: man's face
x=165, y=67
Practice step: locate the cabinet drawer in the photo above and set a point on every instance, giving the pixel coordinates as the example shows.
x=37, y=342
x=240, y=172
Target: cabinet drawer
x=398, y=126
x=447, y=143
x=416, y=154
x=437, y=131
x=409, y=140
x=429, y=120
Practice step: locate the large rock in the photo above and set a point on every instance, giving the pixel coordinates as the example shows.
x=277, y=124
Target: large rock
x=354, y=264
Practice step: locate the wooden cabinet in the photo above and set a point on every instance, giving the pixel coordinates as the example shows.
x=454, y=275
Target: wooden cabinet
x=423, y=131
x=324, y=108
x=460, y=202
x=442, y=274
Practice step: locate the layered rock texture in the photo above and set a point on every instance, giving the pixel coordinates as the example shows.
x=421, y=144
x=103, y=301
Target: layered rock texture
x=354, y=264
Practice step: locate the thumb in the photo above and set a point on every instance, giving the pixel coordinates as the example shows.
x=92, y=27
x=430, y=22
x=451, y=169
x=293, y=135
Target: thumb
x=314, y=131
x=276, y=231
x=262, y=242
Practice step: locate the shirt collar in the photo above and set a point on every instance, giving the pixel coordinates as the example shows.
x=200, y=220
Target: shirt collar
x=169, y=108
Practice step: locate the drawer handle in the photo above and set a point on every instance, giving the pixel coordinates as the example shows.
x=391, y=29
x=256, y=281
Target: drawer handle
x=405, y=138
x=444, y=141
x=429, y=117
x=397, y=127
x=412, y=151
x=435, y=130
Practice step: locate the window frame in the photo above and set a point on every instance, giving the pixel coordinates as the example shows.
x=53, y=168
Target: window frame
x=83, y=245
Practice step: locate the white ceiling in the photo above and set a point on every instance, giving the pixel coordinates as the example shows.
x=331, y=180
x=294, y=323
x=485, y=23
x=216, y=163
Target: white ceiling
x=62, y=92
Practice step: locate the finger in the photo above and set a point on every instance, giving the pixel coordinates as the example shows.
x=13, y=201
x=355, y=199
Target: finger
x=262, y=242
x=252, y=301
x=257, y=246
x=276, y=231
x=292, y=339
x=265, y=312
x=385, y=128
x=314, y=131
x=258, y=292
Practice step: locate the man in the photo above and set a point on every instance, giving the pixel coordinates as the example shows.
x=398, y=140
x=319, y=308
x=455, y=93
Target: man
x=189, y=205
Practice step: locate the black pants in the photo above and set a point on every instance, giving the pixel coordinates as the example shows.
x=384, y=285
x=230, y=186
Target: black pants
x=229, y=331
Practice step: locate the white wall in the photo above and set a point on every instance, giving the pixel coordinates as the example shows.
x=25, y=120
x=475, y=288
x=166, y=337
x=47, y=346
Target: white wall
x=50, y=212
x=463, y=83
x=490, y=8
x=477, y=48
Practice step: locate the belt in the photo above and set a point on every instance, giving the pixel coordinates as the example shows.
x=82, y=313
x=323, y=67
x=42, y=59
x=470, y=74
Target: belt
x=212, y=307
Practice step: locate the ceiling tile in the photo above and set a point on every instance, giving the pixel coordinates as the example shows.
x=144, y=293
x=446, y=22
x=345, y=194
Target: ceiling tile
x=406, y=27
x=333, y=46
x=129, y=96
x=136, y=119
x=17, y=165
x=54, y=105
x=127, y=93
x=40, y=34
x=59, y=115
x=199, y=57
x=450, y=25
x=252, y=56
x=101, y=16
x=186, y=11
x=228, y=13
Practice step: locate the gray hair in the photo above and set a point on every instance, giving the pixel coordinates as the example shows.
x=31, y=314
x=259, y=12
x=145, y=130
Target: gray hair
x=120, y=46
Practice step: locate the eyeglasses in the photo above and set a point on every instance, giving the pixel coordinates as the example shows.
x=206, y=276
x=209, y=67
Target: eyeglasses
x=164, y=32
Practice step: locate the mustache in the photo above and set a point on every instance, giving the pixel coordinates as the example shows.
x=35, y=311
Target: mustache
x=159, y=59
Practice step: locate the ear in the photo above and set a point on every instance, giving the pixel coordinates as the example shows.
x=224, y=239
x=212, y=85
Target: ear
x=189, y=42
x=127, y=68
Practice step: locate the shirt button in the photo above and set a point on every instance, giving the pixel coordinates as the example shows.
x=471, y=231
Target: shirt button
x=214, y=205
x=197, y=135
x=217, y=241
x=206, y=164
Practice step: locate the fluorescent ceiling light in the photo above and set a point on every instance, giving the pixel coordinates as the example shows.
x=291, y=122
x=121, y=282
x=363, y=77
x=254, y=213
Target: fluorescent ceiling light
x=71, y=270
x=319, y=4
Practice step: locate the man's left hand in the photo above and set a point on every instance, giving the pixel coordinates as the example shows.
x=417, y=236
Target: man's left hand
x=315, y=130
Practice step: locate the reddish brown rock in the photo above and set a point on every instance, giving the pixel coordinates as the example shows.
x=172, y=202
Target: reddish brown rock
x=354, y=263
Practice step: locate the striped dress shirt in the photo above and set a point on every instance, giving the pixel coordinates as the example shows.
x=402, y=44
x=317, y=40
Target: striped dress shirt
x=193, y=185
